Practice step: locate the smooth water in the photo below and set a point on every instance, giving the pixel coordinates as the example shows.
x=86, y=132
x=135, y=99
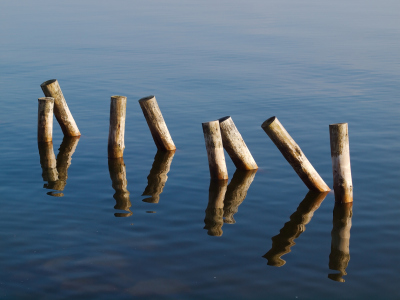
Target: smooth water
x=88, y=234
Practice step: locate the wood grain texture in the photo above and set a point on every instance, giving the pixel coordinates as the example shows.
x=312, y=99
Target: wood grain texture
x=341, y=168
x=234, y=144
x=293, y=154
x=51, y=88
x=45, y=119
x=215, y=150
x=156, y=123
x=116, y=134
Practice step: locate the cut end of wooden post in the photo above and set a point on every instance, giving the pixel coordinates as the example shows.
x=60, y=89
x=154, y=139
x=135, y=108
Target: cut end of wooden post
x=48, y=82
x=50, y=99
x=268, y=122
x=224, y=119
x=144, y=99
x=116, y=97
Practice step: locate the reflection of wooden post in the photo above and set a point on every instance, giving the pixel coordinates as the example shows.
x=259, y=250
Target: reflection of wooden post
x=45, y=119
x=340, y=252
x=282, y=242
x=235, y=146
x=215, y=151
x=51, y=88
x=236, y=193
x=117, y=170
x=116, y=134
x=156, y=123
x=340, y=154
x=293, y=154
x=158, y=176
x=48, y=162
x=64, y=157
x=215, y=208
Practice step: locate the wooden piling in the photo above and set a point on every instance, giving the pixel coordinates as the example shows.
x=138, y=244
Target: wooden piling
x=340, y=246
x=340, y=154
x=293, y=154
x=51, y=88
x=156, y=123
x=45, y=119
x=235, y=146
x=116, y=134
x=215, y=150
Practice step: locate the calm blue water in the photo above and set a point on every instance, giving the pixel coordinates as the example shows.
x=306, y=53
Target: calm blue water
x=309, y=63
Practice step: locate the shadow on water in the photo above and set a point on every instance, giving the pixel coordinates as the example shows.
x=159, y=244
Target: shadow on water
x=340, y=253
x=158, y=176
x=55, y=171
x=282, y=242
x=224, y=200
x=117, y=169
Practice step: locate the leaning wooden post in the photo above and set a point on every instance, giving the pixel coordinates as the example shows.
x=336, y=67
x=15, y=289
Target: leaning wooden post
x=215, y=151
x=156, y=123
x=235, y=145
x=116, y=134
x=51, y=88
x=293, y=154
x=45, y=120
x=340, y=154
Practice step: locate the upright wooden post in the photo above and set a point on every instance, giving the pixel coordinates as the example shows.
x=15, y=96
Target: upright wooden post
x=340, y=247
x=158, y=176
x=215, y=209
x=45, y=120
x=116, y=134
x=340, y=154
x=51, y=88
x=236, y=193
x=235, y=145
x=293, y=154
x=282, y=242
x=156, y=123
x=215, y=150
x=117, y=169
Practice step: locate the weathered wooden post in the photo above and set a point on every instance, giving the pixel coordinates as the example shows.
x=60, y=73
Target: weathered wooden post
x=293, y=154
x=158, y=176
x=282, y=242
x=48, y=162
x=236, y=193
x=340, y=154
x=117, y=169
x=51, y=88
x=215, y=150
x=116, y=134
x=156, y=123
x=215, y=209
x=340, y=251
x=45, y=119
x=235, y=146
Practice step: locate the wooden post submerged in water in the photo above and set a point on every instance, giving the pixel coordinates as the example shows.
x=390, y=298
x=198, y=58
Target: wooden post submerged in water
x=51, y=88
x=45, y=120
x=293, y=154
x=235, y=145
x=215, y=150
x=116, y=134
x=156, y=123
x=340, y=154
